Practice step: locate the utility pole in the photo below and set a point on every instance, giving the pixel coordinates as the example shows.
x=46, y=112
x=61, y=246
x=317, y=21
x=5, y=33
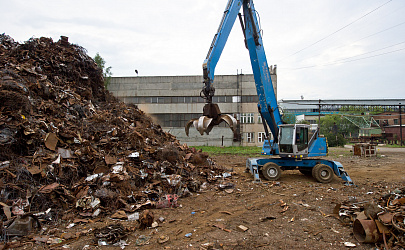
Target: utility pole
x=319, y=115
x=400, y=124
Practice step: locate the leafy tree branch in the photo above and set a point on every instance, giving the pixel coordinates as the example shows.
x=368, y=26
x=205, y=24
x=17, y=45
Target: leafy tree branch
x=106, y=71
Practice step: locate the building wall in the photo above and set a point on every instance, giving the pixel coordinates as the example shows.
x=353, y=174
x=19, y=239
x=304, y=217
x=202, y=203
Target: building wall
x=389, y=118
x=391, y=122
x=394, y=132
x=171, y=101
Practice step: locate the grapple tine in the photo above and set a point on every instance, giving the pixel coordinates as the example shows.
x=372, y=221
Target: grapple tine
x=188, y=125
x=230, y=120
x=212, y=117
x=203, y=124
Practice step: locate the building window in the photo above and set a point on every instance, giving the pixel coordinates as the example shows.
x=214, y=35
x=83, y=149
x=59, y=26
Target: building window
x=219, y=99
x=247, y=118
x=396, y=122
x=176, y=119
x=131, y=100
x=157, y=99
x=236, y=99
x=261, y=136
x=250, y=98
x=250, y=137
x=259, y=119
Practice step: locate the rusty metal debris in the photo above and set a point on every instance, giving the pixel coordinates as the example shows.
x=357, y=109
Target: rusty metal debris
x=21, y=225
x=111, y=234
x=222, y=227
x=163, y=239
x=366, y=231
x=379, y=221
x=146, y=219
x=167, y=201
x=66, y=144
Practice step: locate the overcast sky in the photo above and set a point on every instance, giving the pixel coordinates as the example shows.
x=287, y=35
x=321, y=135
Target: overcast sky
x=324, y=49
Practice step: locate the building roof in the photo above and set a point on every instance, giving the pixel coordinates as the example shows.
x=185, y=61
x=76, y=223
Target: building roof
x=310, y=107
x=363, y=102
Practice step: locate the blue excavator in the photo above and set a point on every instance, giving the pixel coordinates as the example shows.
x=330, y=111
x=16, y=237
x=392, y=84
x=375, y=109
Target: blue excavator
x=295, y=145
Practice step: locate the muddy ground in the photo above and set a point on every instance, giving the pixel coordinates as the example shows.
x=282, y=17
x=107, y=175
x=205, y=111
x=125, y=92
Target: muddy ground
x=210, y=219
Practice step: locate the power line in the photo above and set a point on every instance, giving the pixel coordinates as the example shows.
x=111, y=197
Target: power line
x=344, y=59
x=320, y=40
x=381, y=31
x=389, y=52
x=340, y=61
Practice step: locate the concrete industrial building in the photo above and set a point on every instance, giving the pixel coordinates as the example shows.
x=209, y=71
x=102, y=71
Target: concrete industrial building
x=172, y=101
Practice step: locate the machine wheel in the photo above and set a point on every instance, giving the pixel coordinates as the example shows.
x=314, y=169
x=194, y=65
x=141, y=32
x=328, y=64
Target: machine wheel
x=271, y=171
x=322, y=173
x=306, y=171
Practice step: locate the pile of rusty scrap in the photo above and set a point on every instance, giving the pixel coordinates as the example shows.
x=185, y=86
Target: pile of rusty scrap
x=69, y=148
x=380, y=222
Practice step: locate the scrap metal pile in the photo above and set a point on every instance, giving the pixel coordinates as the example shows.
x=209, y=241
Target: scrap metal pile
x=69, y=148
x=381, y=222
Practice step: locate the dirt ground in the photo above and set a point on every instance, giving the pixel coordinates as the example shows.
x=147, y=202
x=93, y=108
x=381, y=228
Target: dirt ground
x=210, y=219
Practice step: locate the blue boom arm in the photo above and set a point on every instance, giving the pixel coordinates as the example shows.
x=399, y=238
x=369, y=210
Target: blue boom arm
x=267, y=99
x=217, y=46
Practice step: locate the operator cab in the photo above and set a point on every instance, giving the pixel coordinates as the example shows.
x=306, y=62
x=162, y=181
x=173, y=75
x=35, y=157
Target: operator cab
x=293, y=140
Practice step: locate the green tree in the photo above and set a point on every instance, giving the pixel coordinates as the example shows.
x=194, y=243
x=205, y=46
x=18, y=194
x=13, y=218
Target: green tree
x=303, y=122
x=336, y=128
x=106, y=70
x=288, y=117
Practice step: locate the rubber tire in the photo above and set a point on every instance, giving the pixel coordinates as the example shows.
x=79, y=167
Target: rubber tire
x=271, y=171
x=322, y=173
x=306, y=172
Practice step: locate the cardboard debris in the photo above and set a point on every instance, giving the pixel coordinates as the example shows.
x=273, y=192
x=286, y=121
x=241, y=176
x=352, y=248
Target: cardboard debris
x=242, y=228
x=51, y=141
x=121, y=215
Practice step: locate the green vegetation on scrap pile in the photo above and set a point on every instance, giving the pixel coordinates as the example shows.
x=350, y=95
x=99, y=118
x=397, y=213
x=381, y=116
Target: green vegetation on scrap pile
x=211, y=150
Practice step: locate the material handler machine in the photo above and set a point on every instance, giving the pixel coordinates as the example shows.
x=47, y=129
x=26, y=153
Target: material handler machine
x=294, y=144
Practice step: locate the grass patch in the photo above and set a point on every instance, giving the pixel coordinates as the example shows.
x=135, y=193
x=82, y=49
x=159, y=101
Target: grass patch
x=340, y=152
x=251, y=151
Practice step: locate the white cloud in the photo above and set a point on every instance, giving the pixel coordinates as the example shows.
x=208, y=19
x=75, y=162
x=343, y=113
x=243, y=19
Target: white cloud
x=172, y=38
